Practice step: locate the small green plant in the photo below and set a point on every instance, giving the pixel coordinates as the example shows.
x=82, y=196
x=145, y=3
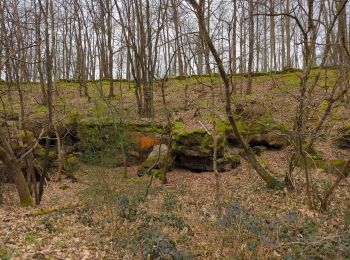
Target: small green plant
x=64, y=187
x=170, y=202
x=59, y=244
x=29, y=237
x=72, y=163
x=4, y=253
x=48, y=225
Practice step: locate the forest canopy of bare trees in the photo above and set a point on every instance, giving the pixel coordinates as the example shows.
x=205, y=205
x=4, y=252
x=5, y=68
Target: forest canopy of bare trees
x=115, y=39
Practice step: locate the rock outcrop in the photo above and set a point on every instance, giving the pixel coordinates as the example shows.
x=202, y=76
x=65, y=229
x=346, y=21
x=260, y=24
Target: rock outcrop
x=159, y=161
x=194, y=150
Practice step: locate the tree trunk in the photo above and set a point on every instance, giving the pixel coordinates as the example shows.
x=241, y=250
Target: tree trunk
x=272, y=37
x=264, y=174
x=288, y=36
x=14, y=169
x=251, y=47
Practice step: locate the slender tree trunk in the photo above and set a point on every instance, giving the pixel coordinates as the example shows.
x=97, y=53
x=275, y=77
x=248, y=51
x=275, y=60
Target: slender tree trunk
x=288, y=36
x=251, y=47
x=110, y=48
x=264, y=174
x=13, y=167
x=272, y=37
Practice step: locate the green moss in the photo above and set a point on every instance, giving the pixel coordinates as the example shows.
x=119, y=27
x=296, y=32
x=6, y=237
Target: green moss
x=345, y=129
x=64, y=187
x=100, y=109
x=41, y=109
x=52, y=155
x=290, y=70
x=159, y=174
x=72, y=159
x=72, y=163
x=40, y=153
x=330, y=166
x=26, y=136
x=314, y=154
x=151, y=161
x=28, y=202
x=135, y=180
x=195, y=142
x=337, y=117
x=5, y=253
x=264, y=124
x=73, y=115
x=40, y=212
x=178, y=126
x=146, y=127
x=337, y=162
x=102, y=142
x=222, y=126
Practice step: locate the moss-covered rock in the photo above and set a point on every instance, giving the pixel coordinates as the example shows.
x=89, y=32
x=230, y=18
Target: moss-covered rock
x=39, y=152
x=160, y=160
x=205, y=164
x=101, y=142
x=72, y=163
x=148, y=127
x=194, y=148
x=261, y=130
x=195, y=142
x=106, y=143
x=26, y=136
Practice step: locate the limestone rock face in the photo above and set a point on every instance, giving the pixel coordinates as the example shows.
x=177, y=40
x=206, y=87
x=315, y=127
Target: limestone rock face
x=205, y=164
x=160, y=157
x=160, y=160
x=106, y=143
x=271, y=140
x=262, y=131
x=194, y=149
x=196, y=143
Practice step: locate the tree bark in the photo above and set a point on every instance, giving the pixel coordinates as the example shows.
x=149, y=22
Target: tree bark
x=12, y=166
x=271, y=181
x=251, y=47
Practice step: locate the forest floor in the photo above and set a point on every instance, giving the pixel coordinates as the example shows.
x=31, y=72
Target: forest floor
x=106, y=215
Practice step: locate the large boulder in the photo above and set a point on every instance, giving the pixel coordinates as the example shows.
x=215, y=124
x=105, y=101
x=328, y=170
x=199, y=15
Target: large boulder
x=72, y=163
x=140, y=146
x=261, y=130
x=194, y=149
x=196, y=143
x=159, y=161
x=270, y=140
x=205, y=164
